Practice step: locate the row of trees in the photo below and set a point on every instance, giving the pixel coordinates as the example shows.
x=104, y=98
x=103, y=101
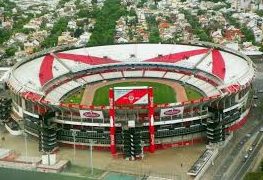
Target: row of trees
x=154, y=30
x=196, y=26
x=56, y=31
x=259, y=12
x=5, y=34
x=104, y=30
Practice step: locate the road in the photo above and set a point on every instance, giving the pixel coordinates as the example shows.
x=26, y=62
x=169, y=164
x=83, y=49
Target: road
x=244, y=166
x=229, y=156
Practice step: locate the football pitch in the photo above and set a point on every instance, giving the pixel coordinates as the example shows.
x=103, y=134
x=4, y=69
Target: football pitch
x=162, y=92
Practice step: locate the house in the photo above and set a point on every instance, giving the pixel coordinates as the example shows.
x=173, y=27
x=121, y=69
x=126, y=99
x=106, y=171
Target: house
x=84, y=38
x=38, y=35
x=232, y=34
x=66, y=39
x=20, y=37
x=30, y=47
x=72, y=24
x=217, y=36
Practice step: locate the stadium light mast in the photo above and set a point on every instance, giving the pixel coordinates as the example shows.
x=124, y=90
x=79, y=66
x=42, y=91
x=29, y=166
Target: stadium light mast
x=91, y=155
x=74, y=134
x=25, y=138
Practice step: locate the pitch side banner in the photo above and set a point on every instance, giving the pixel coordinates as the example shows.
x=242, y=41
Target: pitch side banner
x=171, y=111
x=131, y=95
x=91, y=114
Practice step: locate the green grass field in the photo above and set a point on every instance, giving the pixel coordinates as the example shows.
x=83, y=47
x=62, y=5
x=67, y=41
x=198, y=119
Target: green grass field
x=162, y=92
x=192, y=94
x=73, y=172
x=254, y=176
x=16, y=174
x=75, y=97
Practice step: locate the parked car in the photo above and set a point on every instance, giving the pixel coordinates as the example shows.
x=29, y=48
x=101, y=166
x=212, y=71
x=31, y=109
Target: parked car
x=250, y=149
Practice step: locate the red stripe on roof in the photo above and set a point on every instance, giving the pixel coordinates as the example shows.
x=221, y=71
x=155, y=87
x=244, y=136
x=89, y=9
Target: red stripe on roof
x=218, y=64
x=173, y=58
x=86, y=59
x=46, y=73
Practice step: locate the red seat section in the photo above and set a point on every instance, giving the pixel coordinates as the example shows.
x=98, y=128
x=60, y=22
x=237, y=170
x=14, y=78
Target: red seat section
x=46, y=73
x=86, y=59
x=219, y=68
x=31, y=96
x=173, y=58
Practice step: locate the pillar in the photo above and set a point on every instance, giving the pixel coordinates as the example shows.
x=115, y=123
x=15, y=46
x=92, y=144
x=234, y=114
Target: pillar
x=112, y=124
x=151, y=119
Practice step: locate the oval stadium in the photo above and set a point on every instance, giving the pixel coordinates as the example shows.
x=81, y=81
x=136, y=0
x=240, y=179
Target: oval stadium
x=128, y=98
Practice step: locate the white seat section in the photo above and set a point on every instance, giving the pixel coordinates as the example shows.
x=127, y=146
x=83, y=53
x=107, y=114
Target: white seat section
x=209, y=89
x=133, y=73
x=191, y=80
x=81, y=81
x=73, y=83
x=198, y=82
x=185, y=78
x=17, y=86
x=173, y=75
x=206, y=87
x=212, y=93
x=92, y=78
x=157, y=74
x=56, y=94
x=112, y=75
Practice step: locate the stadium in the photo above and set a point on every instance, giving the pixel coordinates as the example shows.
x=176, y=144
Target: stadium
x=130, y=98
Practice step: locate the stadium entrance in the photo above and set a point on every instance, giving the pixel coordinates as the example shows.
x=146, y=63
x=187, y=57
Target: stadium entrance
x=121, y=98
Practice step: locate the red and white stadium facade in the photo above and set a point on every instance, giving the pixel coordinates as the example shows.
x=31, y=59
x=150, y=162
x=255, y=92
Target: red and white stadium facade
x=40, y=84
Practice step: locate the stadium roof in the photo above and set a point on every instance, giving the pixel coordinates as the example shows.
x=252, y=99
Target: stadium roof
x=227, y=66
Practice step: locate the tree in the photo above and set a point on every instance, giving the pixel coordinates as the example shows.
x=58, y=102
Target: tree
x=10, y=51
x=78, y=32
x=56, y=31
x=197, y=28
x=5, y=35
x=94, y=2
x=259, y=12
x=154, y=35
x=84, y=13
x=104, y=29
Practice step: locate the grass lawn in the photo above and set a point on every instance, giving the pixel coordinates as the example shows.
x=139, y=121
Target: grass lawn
x=254, y=176
x=192, y=94
x=75, y=97
x=16, y=174
x=84, y=171
x=162, y=92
